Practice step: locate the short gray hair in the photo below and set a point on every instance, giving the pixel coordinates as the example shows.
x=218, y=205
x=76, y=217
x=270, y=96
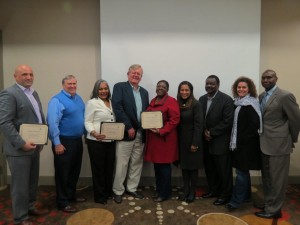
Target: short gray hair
x=68, y=77
x=134, y=67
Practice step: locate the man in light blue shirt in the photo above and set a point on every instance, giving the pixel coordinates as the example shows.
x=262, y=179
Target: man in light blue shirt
x=66, y=126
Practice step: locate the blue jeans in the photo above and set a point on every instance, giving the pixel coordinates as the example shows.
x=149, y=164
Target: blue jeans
x=242, y=188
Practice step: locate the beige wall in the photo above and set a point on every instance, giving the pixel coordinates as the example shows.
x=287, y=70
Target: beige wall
x=280, y=51
x=56, y=38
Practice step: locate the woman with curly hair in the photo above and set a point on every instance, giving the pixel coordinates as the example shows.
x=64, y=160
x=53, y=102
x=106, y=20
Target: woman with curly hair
x=244, y=143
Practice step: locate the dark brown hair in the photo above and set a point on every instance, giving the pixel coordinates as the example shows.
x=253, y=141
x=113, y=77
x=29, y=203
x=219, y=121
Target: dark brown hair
x=250, y=84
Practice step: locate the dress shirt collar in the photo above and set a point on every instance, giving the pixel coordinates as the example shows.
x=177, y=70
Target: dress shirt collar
x=133, y=88
x=68, y=94
x=271, y=91
x=210, y=98
x=30, y=89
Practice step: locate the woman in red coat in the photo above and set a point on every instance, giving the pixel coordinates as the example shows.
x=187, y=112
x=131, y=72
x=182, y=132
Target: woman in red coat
x=161, y=144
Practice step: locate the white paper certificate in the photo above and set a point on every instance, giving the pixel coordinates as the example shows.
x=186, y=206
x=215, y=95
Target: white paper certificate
x=152, y=119
x=112, y=131
x=37, y=133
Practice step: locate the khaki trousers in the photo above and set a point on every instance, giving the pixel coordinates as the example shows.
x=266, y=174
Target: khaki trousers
x=129, y=164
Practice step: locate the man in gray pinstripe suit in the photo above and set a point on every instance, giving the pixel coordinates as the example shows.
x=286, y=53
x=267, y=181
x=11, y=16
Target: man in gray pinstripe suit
x=20, y=104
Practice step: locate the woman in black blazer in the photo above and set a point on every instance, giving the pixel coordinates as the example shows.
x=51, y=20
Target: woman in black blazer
x=244, y=143
x=190, y=131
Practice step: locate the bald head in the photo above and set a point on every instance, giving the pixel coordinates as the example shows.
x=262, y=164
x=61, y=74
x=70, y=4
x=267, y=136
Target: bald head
x=269, y=79
x=24, y=75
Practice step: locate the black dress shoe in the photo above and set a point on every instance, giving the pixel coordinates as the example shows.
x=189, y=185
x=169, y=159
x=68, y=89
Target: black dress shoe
x=69, y=209
x=266, y=215
x=190, y=198
x=259, y=205
x=221, y=201
x=159, y=199
x=101, y=201
x=230, y=207
x=208, y=195
x=135, y=194
x=25, y=222
x=182, y=197
x=118, y=199
x=155, y=196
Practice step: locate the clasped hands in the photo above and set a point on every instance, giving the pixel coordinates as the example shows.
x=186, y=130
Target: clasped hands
x=207, y=135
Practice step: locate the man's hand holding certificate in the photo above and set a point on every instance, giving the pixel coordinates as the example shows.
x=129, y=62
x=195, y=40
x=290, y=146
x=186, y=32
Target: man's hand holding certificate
x=35, y=133
x=150, y=120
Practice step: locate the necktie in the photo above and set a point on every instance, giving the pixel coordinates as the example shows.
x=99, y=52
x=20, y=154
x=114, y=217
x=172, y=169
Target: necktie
x=263, y=102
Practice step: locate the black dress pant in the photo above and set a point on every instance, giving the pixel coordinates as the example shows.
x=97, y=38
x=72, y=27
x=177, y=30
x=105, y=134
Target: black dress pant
x=219, y=174
x=102, y=157
x=67, y=170
x=189, y=182
x=163, y=173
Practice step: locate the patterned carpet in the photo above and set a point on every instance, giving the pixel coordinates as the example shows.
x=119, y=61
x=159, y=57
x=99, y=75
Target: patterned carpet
x=146, y=212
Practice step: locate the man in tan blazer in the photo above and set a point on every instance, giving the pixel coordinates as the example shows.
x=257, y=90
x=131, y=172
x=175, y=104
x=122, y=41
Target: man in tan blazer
x=281, y=124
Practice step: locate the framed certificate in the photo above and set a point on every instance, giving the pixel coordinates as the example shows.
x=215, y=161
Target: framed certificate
x=112, y=131
x=37, y=133
x=152, y=119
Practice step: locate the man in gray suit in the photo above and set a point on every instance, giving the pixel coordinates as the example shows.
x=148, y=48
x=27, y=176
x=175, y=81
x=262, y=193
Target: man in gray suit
x=20, y=104
x=281, y=124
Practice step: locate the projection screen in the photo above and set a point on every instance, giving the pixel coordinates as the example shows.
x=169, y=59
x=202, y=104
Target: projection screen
x=180, y=40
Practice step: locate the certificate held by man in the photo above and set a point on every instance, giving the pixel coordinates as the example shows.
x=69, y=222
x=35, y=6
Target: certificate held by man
x=37, y=133
x=150, y=120
x=112, y=131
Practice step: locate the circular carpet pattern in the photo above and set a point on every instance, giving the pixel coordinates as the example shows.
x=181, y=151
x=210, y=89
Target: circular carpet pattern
x=220, y=219
x=93, y=216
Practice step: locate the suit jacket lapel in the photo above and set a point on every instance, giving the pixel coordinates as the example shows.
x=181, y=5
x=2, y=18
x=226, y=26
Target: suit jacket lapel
x=131, y=97
x=271, y=99
x=25, y=99
x=214, y=102
x=35, y=95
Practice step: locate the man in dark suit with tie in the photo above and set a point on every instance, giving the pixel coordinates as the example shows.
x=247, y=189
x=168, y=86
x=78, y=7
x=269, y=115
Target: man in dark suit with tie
x=218, y=109
x=281, y=124
x=128, y=101
x=20, y=104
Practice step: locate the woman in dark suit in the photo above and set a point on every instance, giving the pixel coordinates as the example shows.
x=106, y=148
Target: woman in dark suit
x=244, y=143
x=190, y=131
x=161, y=144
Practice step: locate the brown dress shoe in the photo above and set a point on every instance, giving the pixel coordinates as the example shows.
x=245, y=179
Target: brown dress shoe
x=69, y=209
x=38, y=212
x=25, y=222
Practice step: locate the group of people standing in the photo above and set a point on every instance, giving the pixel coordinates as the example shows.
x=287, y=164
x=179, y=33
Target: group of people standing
x=215, y=132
